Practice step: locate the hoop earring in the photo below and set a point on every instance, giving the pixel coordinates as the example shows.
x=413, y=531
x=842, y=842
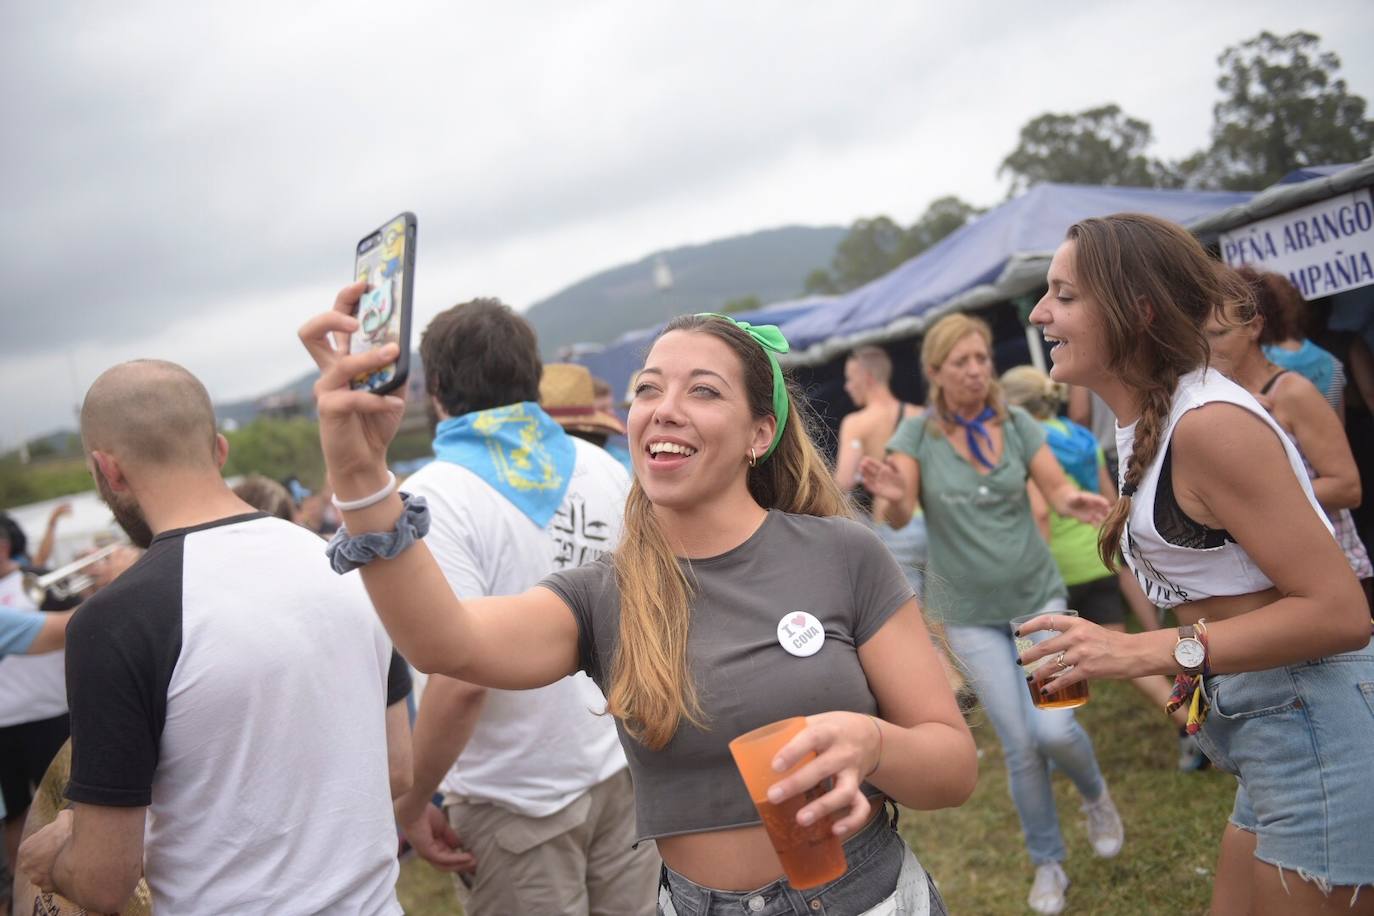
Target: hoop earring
x=753, y=459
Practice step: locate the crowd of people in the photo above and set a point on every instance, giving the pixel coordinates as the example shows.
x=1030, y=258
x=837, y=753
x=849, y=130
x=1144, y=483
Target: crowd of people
x=529, y=657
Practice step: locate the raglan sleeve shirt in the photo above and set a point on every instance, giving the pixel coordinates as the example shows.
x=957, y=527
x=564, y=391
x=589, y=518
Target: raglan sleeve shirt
x=122, y=648
x=398, y=680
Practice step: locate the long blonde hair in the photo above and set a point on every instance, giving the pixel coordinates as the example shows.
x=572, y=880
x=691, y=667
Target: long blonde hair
x=1155, y=288
x=651, y=688
x=936, y=346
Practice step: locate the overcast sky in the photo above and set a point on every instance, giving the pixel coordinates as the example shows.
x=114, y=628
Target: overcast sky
x=187, y=181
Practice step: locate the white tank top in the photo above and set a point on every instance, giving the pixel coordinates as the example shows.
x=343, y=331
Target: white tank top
x=1172, y=575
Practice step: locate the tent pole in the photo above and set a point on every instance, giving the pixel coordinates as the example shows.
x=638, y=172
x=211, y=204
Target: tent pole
x=1036, y=347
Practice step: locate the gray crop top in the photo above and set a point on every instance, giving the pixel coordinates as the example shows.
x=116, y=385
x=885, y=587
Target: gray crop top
x=832, y=568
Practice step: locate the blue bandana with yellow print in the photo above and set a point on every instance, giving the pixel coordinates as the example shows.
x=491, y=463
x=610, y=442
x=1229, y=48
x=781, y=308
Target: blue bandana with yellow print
x=518, y=449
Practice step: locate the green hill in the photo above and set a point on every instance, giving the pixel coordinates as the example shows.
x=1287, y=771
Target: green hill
x=770, y=264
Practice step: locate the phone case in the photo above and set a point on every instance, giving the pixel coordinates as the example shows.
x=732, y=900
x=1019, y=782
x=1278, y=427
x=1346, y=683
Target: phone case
x=386, y=259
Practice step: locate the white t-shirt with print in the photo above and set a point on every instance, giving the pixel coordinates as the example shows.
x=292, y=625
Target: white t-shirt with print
x=533, y=751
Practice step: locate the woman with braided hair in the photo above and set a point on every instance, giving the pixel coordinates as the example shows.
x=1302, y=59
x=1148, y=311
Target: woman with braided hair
x=734, y=528
x=1218, y=520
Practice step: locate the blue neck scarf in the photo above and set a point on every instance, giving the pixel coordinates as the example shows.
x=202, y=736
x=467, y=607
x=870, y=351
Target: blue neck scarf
x=1076, y=448
x=975, y=431
x=518, y=449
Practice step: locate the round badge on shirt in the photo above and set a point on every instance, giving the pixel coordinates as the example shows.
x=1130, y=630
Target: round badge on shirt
x=801, y=634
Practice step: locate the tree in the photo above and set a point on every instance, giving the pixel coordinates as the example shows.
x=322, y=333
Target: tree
x=869, y=250
x=820, y=283
x=742, y=304
x=944, y=216
x=1102, y=146
x=21, y=484
x=1283, y=107
x=875, y=246
x=276, y=448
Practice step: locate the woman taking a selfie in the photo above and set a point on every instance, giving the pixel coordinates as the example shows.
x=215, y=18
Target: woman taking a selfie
x=1218, y=520
x=733, y=529
x=967, y=463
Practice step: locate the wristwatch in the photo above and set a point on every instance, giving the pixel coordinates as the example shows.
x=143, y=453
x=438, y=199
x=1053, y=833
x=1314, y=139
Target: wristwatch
x=1189, y=652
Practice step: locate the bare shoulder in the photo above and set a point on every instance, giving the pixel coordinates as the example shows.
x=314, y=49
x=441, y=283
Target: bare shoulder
x=858, y=425
x=851, y=424
x=1226, y=438
x=1218, y=425
x=1295, y=394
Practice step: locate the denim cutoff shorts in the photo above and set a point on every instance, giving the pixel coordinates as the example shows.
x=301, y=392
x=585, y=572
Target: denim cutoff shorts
x=883, y=878
x=1301, y=738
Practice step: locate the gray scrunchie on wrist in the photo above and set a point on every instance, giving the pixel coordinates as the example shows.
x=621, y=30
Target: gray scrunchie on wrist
x=347, y=552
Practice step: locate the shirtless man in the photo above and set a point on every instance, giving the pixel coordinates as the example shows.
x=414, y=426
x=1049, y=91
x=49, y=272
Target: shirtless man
x=865, y=432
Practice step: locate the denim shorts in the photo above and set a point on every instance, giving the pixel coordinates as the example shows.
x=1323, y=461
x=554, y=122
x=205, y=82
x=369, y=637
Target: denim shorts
x=883, y=878
x=1301, y=738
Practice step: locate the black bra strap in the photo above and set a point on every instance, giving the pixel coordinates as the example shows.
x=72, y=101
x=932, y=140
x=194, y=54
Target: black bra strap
x=1272, y=379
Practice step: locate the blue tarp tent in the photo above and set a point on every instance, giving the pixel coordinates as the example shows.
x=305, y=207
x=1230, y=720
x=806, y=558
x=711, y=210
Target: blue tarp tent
x=619, y=360
x=1292, y=191
x=1307, y=173
x=999, y=256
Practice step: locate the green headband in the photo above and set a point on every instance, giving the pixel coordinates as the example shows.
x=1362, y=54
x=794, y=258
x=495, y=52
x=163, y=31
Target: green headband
x=770, y=338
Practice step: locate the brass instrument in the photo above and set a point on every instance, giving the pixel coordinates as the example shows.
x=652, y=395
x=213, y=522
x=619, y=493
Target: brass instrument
x=61, y=584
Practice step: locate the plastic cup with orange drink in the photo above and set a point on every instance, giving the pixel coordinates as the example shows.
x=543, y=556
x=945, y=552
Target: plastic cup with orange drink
x=810, y=855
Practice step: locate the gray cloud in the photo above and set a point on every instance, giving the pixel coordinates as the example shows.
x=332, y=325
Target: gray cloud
x=165, y=160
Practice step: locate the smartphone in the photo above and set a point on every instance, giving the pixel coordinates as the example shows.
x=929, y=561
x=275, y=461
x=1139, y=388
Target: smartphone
x=386, y=260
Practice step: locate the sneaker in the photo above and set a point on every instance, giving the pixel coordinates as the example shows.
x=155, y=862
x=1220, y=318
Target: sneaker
x=1105, y=831
x=1190, y=755
x=1047, y=893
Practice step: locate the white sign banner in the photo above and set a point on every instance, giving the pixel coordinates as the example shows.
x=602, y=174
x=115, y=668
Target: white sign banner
x=1323, y=248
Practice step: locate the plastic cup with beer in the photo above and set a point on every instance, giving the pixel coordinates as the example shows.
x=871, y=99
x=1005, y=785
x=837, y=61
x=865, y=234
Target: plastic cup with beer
x=1070, y=697
x=810, y=855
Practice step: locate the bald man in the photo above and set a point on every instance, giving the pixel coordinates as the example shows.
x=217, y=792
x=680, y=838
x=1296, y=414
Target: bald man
x=230, y=706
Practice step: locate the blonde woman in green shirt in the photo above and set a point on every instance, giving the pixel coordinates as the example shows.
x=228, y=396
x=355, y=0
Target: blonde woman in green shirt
x=967, y=463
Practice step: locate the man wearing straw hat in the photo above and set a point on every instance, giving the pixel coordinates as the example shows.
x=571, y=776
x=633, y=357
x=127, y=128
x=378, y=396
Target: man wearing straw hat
x=538, y=811
x=567, y=392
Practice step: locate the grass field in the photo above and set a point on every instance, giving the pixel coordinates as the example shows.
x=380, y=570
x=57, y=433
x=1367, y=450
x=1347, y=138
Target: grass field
x=1173, y=824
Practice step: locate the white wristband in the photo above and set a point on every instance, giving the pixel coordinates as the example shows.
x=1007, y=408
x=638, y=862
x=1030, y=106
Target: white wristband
x=353, y=505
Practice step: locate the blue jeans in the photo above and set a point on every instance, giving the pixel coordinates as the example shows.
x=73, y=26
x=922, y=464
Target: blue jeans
x=909, y=547
x=1032, y=739
x=883, y=877
x=1301, y=738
